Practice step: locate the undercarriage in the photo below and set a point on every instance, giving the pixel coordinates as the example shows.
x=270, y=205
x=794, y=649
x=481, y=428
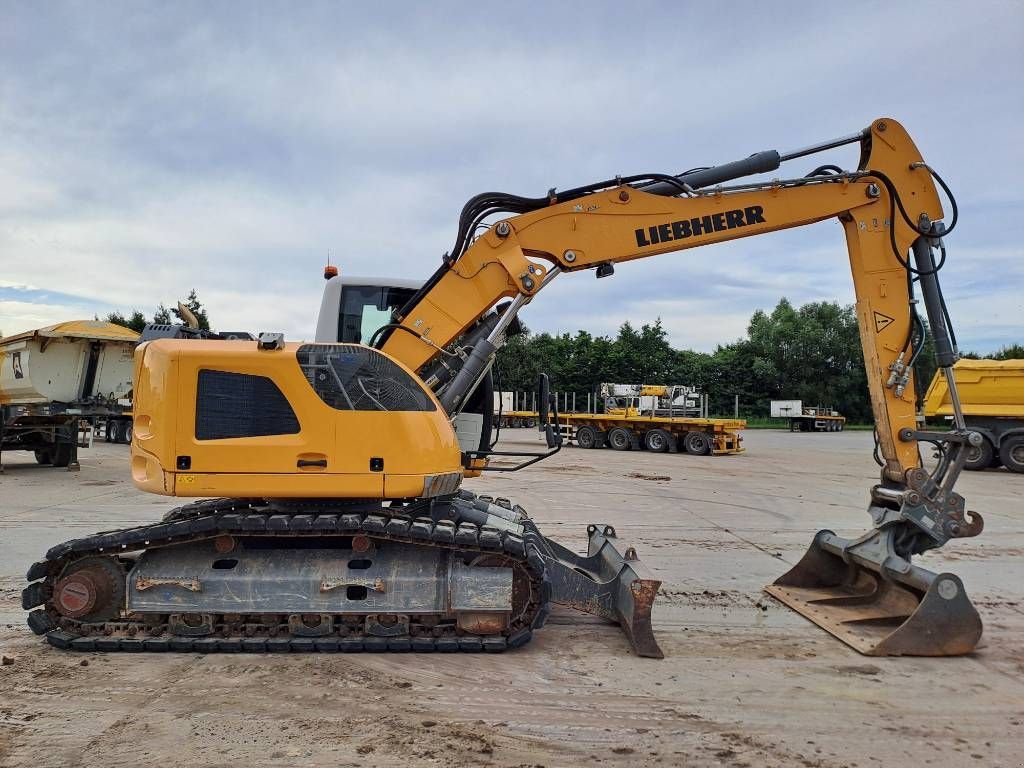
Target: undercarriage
x=457, y=574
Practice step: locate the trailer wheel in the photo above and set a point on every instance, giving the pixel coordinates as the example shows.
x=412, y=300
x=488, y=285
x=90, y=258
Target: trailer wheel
x=44, y=457
x=586, y=437
x=657, y=440
x=62, y=455
x=1012, y=453
x=979, y=456
x=841, y=425
x=697, y=443
x=126, y=433
x=619, y=439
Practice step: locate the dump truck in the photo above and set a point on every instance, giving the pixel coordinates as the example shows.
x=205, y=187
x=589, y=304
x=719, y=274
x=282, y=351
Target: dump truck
x=992, y=397
x=807, y=419
x=53, y=378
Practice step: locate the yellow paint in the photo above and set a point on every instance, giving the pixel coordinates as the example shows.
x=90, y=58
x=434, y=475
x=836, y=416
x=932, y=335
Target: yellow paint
x=418, y=444
x=79, y=329
x=492, y=267
x=412, y=444
x=986, y=388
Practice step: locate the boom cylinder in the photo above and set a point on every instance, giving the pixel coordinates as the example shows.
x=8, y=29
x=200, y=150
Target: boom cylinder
x=759, y=162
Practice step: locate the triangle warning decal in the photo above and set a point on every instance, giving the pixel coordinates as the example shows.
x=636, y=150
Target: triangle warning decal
x=882, y=322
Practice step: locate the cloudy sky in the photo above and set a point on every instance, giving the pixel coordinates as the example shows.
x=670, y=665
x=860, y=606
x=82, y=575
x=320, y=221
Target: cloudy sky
x=149, y=149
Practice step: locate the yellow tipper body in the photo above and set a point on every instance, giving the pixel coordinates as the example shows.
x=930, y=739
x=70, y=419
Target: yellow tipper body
x=225, y=418
x=987, y=388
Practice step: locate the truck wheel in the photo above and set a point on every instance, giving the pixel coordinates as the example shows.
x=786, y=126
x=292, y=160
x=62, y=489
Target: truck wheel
x=619, y=439
x=586, y=437
x=657, y=440
x=979, y=456
x=1012, y=453
x=44, y=457
x=697, y=443
x=62, y=455
x=126, y=432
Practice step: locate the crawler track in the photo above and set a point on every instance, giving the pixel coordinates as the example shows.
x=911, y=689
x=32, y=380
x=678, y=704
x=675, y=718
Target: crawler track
x=243, y=518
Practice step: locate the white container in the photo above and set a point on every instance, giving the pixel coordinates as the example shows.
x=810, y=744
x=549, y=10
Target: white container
x=67, y=363
x=782, y=409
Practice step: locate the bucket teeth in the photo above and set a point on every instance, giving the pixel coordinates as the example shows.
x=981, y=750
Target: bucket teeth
x=877, y=602
x=610, y=582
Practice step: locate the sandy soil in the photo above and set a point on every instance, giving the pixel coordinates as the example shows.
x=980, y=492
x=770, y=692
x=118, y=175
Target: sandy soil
x=745, y=682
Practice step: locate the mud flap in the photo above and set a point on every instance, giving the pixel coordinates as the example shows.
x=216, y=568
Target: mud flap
x=877, y=602
x=609, y=581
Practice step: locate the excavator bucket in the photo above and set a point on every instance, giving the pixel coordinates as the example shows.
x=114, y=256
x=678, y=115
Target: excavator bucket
x=609, y=581
x=877, y=602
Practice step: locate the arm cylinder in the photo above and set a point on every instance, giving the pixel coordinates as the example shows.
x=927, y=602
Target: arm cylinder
x=945, y=351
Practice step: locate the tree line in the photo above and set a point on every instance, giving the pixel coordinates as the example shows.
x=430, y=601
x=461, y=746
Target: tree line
x=136, y=320
x=811, y=353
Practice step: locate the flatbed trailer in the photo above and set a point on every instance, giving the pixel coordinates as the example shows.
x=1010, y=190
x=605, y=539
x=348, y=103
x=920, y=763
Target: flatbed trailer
x=809, y=419
x=817, y=423
x=660, y=434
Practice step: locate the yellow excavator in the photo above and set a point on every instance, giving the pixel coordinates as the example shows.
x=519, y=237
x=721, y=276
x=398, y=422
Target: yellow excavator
x=337, y=521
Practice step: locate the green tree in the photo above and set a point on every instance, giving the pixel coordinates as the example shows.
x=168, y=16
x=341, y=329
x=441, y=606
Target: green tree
x=136, y=320
x=195, y=307
x=1011, y=352
x=162, y=316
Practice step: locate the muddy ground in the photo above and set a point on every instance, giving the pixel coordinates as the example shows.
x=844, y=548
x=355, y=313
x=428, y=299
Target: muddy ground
x=745, y=682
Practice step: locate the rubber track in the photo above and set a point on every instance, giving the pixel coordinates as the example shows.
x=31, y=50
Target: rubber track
x=238, y=517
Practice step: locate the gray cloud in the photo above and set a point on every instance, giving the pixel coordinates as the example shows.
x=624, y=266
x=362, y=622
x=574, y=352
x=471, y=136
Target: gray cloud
x=149, y=149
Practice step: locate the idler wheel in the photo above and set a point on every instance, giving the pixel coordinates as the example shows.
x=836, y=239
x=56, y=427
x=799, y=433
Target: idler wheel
x=78, y=595
x=91, y=589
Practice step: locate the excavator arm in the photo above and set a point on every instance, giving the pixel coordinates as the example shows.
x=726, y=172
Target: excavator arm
x=864, y=590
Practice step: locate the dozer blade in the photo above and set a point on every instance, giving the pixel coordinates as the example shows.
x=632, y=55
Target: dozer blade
x=608, y=582
x=876, y=601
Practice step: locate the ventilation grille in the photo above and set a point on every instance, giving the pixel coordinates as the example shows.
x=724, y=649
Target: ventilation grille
x=349, y=377
x=241, y=405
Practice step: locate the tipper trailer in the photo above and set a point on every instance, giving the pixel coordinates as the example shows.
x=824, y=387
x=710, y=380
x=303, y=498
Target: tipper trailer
x=52, y=378
x=992, y=396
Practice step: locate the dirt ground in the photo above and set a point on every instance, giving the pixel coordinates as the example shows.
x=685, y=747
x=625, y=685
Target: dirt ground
x=745, y=682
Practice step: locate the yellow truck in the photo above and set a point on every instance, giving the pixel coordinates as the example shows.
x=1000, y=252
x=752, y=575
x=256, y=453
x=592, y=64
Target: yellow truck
x=992, y=396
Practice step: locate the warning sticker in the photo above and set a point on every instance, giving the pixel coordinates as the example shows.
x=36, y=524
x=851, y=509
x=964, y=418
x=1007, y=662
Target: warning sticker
x=882, y=322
